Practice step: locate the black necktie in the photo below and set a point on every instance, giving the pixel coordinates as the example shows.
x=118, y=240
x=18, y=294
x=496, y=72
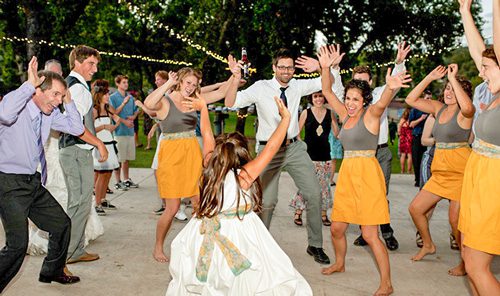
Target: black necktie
x=283, y=96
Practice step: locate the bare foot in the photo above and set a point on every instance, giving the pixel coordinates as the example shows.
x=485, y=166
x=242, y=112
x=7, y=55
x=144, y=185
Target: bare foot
x=423, y=252
x=458, y=270
x=333, y=268
x=384, y=291
x=160, y=256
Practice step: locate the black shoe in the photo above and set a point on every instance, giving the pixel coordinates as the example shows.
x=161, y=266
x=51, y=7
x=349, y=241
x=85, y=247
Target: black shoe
x=391, y=242
x=318, y=254
x=360, y=241
x=417, y=184
x=107, y=205
x=62, y=279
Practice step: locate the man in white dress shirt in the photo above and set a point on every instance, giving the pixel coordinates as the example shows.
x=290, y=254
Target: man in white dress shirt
x=292, y=155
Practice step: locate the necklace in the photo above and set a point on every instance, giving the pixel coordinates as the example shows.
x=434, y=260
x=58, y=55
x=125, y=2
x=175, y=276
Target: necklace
x=319, y=130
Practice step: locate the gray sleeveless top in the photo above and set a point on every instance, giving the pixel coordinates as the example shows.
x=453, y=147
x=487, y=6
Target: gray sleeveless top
x=449, y=132
x=178, y=121
x=358, y=137
x=487, y=125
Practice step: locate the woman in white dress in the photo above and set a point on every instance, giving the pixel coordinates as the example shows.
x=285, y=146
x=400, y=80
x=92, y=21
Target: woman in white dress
x=226, y=249
x=57, y=187
x=104, y=128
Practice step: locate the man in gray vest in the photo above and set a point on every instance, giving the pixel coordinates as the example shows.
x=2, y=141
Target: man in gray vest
x=76, y=152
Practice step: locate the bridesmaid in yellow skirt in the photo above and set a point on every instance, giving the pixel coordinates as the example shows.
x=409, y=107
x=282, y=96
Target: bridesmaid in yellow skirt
x=479, y=219
x=179, y=156
x=360, y=194
x=451, y=132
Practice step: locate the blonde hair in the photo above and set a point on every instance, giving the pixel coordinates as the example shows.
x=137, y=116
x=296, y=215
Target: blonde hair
x=185, y=72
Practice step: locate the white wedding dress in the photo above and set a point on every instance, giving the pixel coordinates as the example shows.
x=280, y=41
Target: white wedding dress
x=263, y=268
x=38, y=239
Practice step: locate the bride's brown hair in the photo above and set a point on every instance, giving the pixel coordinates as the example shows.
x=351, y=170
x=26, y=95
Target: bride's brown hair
x=230, y=154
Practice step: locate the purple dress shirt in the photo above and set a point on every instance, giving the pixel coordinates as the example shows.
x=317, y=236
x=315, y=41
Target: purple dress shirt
x=18, y=141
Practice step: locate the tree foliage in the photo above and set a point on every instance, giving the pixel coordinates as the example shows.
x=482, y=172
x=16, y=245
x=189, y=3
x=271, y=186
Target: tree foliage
x=367, y=29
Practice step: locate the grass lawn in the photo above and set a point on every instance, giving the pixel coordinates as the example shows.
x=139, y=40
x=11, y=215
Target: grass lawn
x=145, y=157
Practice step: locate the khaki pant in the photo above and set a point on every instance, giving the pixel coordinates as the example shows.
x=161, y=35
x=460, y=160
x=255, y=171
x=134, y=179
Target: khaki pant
x=78, y=167
x=298, y=164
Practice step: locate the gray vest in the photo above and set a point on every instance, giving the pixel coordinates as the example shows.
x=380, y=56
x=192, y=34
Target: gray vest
x=487, y=125
x=358, y=137
x=449, y=132
x=67, y=140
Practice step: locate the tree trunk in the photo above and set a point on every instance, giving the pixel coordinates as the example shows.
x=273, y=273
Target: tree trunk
x=33, y=11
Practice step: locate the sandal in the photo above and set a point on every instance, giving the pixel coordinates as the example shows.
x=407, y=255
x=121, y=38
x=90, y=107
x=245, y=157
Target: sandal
x=325, y=220
x=419, y=240
x=453, y=243
x=109, y=191
x=297, y=219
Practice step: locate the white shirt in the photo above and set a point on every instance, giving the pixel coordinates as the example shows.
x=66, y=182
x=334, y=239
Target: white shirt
x=80, y=94
x=383, y=134
x=262, y=94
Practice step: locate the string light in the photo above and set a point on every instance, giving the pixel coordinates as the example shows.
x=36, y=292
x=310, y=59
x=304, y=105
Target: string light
x=105, y=53
x=151, y=22
x=241, y=116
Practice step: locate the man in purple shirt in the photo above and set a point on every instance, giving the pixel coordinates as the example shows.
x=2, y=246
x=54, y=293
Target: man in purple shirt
x=26, y=116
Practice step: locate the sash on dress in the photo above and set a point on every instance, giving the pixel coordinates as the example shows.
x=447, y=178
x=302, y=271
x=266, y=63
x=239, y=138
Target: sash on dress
x=210, y=229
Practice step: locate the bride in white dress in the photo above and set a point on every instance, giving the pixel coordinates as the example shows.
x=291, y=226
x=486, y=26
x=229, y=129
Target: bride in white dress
x=38, y=239
x=225, y=249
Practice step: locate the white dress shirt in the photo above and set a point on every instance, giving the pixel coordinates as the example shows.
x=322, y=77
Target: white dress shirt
x=262, y=94
x=377, y=94
x=80, y=94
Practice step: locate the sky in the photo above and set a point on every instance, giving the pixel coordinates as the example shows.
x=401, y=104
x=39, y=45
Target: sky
x=487, y=18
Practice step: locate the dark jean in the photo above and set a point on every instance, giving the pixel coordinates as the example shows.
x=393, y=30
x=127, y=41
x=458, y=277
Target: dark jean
x=23, y=197
x=384, y=157
x=417, y=151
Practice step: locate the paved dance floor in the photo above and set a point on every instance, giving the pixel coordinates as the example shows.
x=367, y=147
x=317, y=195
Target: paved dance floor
x=127, y=267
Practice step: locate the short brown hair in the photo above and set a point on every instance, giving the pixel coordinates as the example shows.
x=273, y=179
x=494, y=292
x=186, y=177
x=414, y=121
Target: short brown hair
x=49, y=77
x=361, y=70
x=163, y=74
x=81, y=53
x=490, y=54
x=119, y=78
x=283, y=53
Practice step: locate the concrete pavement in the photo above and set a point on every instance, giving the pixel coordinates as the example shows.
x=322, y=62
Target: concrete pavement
x=127, y=267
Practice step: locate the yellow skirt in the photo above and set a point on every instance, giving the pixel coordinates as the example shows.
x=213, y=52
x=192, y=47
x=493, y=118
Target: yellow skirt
x=360, y=194
x=179, y=167
x=447, y=170
x=479, y=219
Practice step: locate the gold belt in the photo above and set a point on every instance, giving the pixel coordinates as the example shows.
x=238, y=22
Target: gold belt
x=486, y=149
x=181, y=135
x=359, y=153
x=442, y=145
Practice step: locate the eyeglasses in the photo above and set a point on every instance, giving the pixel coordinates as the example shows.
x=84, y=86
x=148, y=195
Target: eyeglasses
x=285, y=68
